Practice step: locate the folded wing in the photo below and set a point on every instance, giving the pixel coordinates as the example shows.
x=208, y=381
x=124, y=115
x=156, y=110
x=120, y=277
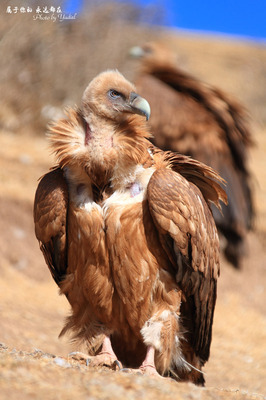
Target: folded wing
x=50, y=218
x=188, y=235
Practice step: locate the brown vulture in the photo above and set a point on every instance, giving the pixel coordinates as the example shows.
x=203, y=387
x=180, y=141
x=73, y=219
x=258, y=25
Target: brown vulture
x=128, y=235
x=201, y=121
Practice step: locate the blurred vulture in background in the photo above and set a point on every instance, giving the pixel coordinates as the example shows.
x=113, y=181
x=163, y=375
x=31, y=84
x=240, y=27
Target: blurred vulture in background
x=195, y=119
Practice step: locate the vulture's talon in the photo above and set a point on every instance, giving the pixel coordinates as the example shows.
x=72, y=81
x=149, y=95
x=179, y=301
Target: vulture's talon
x=118, y=364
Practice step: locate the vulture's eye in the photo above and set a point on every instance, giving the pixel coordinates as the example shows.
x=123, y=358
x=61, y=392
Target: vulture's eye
x=114, y=94
x=147, y=49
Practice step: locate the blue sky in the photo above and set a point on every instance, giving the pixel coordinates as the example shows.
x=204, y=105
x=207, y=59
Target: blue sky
x=232, y=17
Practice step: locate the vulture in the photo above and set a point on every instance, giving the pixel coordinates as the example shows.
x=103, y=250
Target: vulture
x=128, y=235
x=205, y=123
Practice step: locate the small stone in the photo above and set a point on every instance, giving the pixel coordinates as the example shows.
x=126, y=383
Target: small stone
x=61, y=362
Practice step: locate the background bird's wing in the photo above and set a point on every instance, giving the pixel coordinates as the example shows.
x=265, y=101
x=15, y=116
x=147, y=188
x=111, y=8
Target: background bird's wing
x=50, y=216
x=188, y=235
x=221, y=139
x=202, y=103
x=205, y=123
x=236, y=218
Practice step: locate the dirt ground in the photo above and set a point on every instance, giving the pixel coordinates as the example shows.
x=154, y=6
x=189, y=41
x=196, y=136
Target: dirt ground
x=34, y=363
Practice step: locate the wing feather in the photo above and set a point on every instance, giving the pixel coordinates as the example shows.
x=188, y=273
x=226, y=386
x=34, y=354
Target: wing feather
x=191, y=242
x=204, y=177
x=50, y=216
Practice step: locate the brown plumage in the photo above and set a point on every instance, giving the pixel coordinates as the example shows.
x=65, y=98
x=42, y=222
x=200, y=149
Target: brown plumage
x=128, y=236
x=203, y=122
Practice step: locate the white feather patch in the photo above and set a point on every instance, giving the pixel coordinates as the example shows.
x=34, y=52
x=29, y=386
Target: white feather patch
x=130, y=185
x=164, y=315
x=151, y=333
x=124, y=197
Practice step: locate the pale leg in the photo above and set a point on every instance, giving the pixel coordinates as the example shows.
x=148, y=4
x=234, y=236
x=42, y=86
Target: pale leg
x=148, y=365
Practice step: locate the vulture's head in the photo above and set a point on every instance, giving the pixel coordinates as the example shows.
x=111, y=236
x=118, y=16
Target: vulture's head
x=153, y=54
x=111, y=96
x=109, y=129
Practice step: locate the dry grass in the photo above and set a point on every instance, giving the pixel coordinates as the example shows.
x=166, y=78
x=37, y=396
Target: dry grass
x=56, y=63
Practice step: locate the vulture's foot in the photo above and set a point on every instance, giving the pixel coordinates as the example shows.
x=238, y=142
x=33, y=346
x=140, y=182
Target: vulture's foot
x=150, y=370
x=148, y=365
x=102, y=359
x=79, y=356
x=105, y=358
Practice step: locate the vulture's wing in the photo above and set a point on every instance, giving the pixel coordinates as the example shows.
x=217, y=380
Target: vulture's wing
x=202, y=103
x=50, y=216
x=204, y=177
x=204, y=122
x=188, y=235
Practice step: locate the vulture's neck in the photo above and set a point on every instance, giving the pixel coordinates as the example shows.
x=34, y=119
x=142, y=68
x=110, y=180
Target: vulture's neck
x=116, y=149
x=99, y=151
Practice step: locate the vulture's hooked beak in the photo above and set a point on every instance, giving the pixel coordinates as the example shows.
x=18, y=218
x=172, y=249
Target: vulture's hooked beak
x=139, y=105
